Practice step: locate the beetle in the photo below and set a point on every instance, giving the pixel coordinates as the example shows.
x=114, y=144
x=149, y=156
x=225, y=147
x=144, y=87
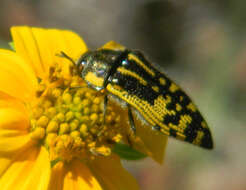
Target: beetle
x=129, y=76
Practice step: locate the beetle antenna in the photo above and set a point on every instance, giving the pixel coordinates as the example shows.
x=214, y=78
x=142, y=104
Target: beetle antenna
x=64, y=55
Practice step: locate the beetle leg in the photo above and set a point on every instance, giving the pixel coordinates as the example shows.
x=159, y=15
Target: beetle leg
x=131, y=120
x=130, y=143
x=105, y=107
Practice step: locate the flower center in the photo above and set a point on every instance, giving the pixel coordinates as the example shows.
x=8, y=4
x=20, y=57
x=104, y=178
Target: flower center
x=68, y=118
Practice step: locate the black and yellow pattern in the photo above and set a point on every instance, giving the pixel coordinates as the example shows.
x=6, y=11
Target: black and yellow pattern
x=129, y=76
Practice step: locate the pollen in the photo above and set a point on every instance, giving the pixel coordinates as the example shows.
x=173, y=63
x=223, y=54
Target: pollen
x=68, y=118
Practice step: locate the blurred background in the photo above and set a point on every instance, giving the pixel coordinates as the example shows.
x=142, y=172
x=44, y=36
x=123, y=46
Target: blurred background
x=200, y=44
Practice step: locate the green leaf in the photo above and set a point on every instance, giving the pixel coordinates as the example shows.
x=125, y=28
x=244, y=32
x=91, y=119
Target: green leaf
x=128, y=153
x=12, y=46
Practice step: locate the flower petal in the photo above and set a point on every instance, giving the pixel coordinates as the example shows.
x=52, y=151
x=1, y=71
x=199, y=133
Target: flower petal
x=16, y=77
x=7, y=157
x=111, y=174
x=13, y=140
x=9, y=101
x=113, y=46
x=80, y=177
x=13, y=130
x=41, y=46
x=57, y=177
x=13, y=114
x=148, y=141
x=73, y=176
x=11, y=118
x=31, y=170
x=152, y=141
x=6, y=161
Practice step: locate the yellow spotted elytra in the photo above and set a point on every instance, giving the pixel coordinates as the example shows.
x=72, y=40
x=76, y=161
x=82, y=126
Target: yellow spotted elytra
x=129, y=76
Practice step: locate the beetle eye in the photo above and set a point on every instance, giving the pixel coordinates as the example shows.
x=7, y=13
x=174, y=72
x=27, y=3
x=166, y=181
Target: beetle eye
x=83, y=63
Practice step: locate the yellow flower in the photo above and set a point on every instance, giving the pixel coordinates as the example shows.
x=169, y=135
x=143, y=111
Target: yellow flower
x=52, y=129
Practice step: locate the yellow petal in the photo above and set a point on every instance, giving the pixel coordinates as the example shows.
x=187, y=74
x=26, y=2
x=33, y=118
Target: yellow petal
x=16, y=77
x=73, y=176
x=111, y=174
x=113, y=46
x=57, y=177
x=5, y=161
x=41, y=46
x=31, y=170
x=153, y=142
x=148, y=141
x=13, y=140
x=12, y=117
x=38, y=178
x=80, y=177
x=13, y=130
x=26, y=45
x=75, y=44
x=6, y=158
x=7, y=101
